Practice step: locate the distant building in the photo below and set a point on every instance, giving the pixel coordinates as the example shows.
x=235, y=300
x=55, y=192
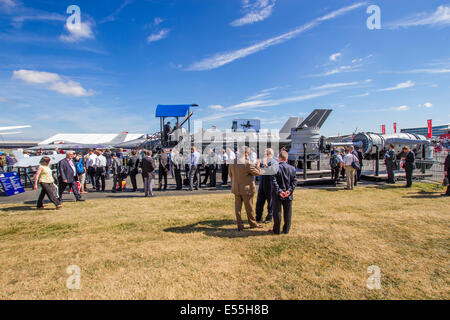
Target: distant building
x=437, y=130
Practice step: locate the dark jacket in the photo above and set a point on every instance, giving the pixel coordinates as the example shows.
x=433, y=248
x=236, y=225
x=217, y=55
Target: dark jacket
x=409, y=159
x=133, y=164
x=148, y=167
x=107, y=155
x=389, y=157
x=163, y=161
x=284, y=180
x=65, y=171
x=360, y=158
x=116, y=166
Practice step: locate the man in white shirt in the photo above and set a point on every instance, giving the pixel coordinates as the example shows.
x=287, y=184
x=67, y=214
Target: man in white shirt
x=194, y=173
x=100, y=165
x=349, y=158
x=253, y=156
x=90, y=165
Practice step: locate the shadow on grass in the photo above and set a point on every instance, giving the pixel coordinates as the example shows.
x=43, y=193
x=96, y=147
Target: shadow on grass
x=213, y=228
x=20, y=208
x=387, y=186
x=422, y=194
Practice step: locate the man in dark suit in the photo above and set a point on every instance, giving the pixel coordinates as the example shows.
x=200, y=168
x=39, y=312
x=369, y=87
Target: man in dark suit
x=133, y=168
x=67, y=174
x=410, y=158
x=164, y=167
x=389, y=160
x=148, y=173
x=283, y=185
x=447, y=174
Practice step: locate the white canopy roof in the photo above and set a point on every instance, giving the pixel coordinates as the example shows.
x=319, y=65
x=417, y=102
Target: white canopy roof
x=88, y=138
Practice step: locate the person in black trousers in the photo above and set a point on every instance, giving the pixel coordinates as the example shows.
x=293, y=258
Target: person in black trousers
x=67, y=176
x=283, y=185
x=360, y=157
x=164, y=167
x=389, y=160
x=133, y=168
x=108, y=155
x=270, y=168
x=177, y=162
x=410, y=158
x=44, y=176
x=447, y=174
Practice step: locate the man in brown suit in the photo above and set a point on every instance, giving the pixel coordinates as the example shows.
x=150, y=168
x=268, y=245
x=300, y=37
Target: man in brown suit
x=242, y=174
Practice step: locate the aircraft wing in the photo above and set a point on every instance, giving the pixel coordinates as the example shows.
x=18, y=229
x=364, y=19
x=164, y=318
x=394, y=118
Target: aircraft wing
x=13, y=128
x=34, y=161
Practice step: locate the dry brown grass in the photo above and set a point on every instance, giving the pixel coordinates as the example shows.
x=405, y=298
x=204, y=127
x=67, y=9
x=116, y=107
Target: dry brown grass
x=187, y=248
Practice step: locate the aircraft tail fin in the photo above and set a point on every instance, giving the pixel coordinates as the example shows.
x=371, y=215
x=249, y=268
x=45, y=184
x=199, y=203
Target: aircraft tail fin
x=316, y=119
x=291, y=123
x=120, y=138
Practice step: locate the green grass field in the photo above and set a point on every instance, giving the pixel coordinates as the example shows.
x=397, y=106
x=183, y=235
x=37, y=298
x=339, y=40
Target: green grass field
x=187, y=247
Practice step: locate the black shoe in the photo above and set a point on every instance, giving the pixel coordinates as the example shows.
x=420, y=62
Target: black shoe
x=82, y=200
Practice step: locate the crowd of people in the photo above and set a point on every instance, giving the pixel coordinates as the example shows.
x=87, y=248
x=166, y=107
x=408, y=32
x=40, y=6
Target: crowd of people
x=277, y=179
x=277, y=182
x=6, y=162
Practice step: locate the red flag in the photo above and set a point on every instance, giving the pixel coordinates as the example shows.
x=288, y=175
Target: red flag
x=395, y=127
x=383, y=129
x=430, y=128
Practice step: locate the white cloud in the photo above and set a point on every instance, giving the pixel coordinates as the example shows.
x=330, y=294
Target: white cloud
x=360, y=95
x=335, y=56
x=403, y=85
x=158, y=21
x=71, y=88
x=158, y=35
x=402, y=108
x=428, y=71
x=277, y=102
x=220, y=115
x=440, y=18
x=216, y=107
x=259, y=96
x=36, y=77
x=224, y=58
x=336, y=85
x=56, y=83
x=428, y=105
x=113, y=16
x=79, y=32
x=255, y=11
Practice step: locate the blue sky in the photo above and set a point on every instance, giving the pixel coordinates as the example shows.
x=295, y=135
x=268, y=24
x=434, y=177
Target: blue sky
x=266, y=59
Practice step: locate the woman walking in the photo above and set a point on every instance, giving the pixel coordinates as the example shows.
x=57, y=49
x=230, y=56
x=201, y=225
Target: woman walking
x=45, y=178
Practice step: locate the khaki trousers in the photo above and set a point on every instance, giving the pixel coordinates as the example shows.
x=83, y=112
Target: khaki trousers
x=249, y=209
x=350, y=174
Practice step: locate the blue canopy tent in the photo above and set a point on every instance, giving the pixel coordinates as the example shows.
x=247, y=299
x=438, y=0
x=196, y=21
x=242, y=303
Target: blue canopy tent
x=174, y=111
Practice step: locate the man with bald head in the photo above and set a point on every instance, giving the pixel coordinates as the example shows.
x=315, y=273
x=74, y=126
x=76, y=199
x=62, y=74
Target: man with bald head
x=68, y=176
